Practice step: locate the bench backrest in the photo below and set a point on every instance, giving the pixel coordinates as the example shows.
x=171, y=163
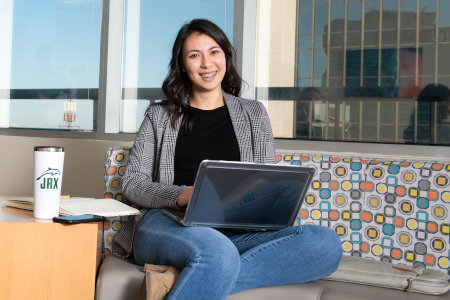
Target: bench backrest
x=382, y=209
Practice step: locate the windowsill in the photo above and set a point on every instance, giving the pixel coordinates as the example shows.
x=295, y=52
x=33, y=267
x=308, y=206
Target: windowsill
x=282, y=145
x=405, y=151
x=122, y=137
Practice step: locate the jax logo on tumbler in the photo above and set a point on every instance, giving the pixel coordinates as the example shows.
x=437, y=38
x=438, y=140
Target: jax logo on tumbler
x=49, y=179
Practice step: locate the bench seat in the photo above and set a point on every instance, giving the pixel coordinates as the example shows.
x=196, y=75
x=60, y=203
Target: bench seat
x=120, y=279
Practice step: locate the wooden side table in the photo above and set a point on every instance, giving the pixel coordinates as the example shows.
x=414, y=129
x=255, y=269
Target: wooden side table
x=40, y=259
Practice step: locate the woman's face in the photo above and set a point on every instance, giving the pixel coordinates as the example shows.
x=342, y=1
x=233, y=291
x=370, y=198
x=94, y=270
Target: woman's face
x=204, y=63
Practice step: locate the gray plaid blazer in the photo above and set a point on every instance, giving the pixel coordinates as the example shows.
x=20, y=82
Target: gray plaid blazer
x=148, y=179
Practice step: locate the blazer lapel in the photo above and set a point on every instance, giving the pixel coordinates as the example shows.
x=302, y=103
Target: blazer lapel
x=241, y=126
x=167, y=162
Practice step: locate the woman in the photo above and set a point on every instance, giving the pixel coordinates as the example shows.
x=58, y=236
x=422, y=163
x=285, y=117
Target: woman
x=203, y=117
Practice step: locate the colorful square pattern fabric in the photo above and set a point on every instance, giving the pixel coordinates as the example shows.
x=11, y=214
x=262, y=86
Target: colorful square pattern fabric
x=412, y=222
x=115, y=164
x=396, y=211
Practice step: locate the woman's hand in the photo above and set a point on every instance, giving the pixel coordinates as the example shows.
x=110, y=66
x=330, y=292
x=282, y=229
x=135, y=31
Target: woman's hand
x=184, y=197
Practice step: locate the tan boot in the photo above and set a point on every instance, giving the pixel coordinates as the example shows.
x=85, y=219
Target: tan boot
x=158, y=281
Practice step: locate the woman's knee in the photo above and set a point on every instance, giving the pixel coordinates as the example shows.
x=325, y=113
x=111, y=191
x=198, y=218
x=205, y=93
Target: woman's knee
x=220, y=253
x=328, y=244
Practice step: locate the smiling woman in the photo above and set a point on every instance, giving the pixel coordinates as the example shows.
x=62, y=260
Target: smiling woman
x=203, y=117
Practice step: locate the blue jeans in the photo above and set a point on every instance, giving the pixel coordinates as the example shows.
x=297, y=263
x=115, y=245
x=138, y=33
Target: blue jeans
x=216, y=263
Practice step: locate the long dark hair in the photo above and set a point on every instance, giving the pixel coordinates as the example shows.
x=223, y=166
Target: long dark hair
x=178, y=88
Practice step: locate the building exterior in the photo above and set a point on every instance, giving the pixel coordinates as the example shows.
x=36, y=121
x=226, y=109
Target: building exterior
x=363, y=62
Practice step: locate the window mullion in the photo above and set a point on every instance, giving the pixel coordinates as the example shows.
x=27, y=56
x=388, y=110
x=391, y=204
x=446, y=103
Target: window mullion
x=110, y=82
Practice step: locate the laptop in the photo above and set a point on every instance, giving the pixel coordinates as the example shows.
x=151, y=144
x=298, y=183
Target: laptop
x=241, y=195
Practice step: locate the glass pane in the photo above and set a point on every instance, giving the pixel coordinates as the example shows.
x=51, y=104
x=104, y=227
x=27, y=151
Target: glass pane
x=304, y=63
x=444, y=61
x=320, y=62
x=147, y=51
x=336, y=81
x=427, y=10
x=318, y=82
x=387, y=133
x=408, y=14
x=444, y=34
x=305, y=20
x=336, y=40
x=54, y=65
x=387, y=113
x=444, y=9
x=321, y=19
x=390, y=9
x=407, y=61
x=408, y=36
x=354, y=39
x=304, y=82
x=370, y=82
x=304, y=41
x=337, y=17
x=303, y=109
x=427, y=35
x=444, y=80
x=353, y=67
x=352, y=82
x=320, y=41
x=389, y=37
x=426, y=80
x=371, y=38
x=370, y=65
x=336, y=62
x=372, y=14
x=389, y=83
x=354, y=16
x=388, y=62
x=427, y=59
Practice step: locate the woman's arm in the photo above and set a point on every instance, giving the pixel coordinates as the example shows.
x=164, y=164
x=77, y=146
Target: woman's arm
x=267, y=137
x=139, y=182
x=263, y=141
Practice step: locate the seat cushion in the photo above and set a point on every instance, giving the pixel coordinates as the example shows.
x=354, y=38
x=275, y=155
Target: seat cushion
x=334, y=290
x=305, y=291
x=120, y=279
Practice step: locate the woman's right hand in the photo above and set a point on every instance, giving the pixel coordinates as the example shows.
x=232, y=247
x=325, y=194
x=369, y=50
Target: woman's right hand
x=184, y=197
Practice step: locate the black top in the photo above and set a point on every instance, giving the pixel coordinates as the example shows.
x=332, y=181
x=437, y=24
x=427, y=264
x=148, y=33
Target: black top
x=212, y=137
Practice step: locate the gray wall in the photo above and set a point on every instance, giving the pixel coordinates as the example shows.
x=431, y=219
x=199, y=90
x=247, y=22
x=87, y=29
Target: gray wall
x=83, y=165
x=84, y=159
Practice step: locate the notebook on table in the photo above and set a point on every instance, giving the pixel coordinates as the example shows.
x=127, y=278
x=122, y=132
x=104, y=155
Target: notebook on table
x=242, y=195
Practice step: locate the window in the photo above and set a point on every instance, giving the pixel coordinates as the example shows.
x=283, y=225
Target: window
x=365, y=70
x=333, y=70
x=147, y=48
x=52, y=67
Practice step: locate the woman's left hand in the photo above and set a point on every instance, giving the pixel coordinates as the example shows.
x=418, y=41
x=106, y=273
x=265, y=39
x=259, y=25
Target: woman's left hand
x=184, y=197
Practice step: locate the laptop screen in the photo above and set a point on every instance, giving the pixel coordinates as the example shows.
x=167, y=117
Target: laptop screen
x=257, y=196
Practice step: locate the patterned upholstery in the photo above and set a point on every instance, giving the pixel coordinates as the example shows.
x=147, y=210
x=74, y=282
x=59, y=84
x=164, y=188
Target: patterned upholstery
x=396, y=211
x=386, y=210
x=115, y=163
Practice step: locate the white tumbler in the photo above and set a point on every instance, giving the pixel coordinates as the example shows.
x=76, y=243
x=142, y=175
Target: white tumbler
x=48, y=172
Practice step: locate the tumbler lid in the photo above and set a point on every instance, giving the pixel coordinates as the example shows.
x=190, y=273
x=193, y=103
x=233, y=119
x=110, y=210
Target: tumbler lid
x=49, y=148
